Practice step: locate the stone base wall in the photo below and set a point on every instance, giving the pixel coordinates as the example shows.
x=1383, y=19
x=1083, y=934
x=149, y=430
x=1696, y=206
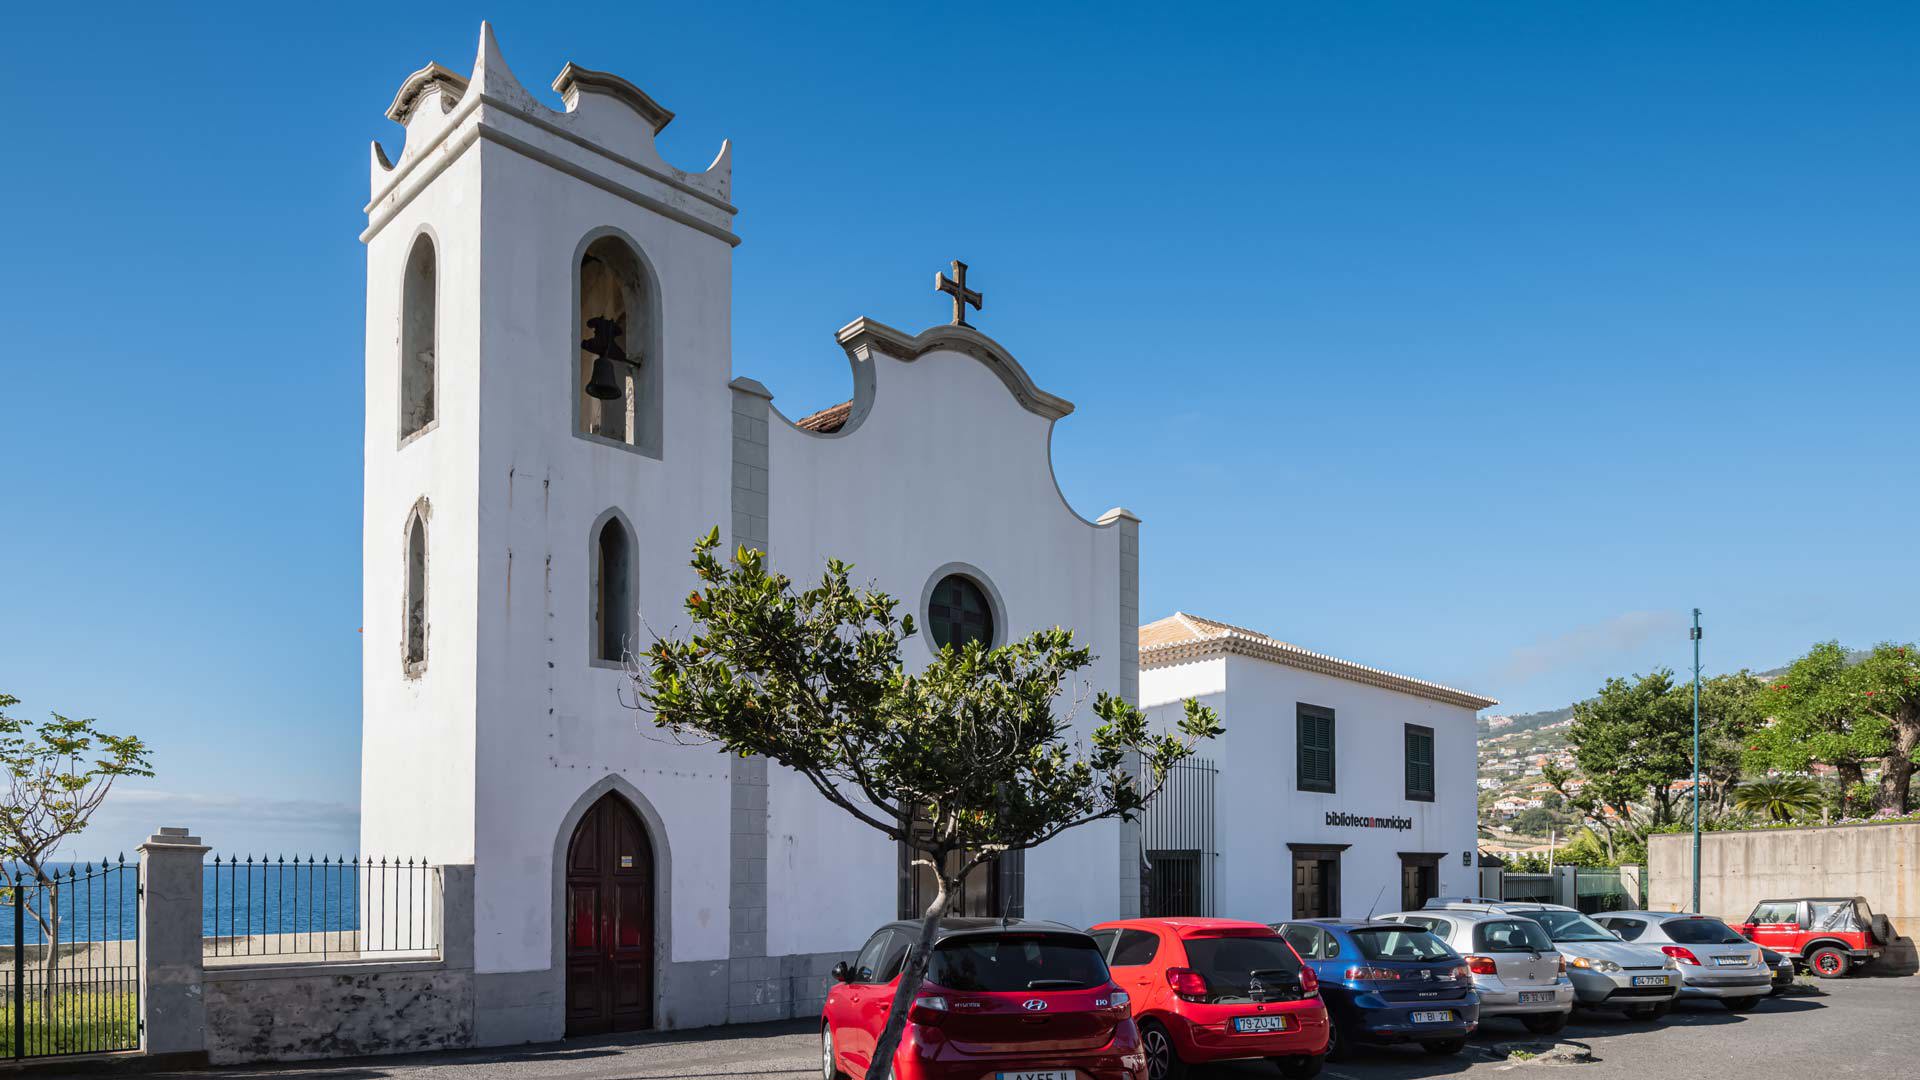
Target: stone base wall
x=299, y=1013
x=1740, y=869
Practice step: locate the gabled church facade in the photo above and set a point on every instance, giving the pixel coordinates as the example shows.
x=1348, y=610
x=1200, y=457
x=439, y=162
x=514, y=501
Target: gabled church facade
x=552, y=417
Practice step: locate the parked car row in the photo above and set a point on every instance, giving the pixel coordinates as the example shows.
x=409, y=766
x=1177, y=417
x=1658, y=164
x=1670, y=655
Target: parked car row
x=1145, y=999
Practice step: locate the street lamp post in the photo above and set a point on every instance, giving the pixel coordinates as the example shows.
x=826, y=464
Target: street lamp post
x=1696, y=761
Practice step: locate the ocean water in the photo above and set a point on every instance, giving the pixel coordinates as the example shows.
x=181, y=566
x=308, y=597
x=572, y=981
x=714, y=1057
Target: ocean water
x=240, y=900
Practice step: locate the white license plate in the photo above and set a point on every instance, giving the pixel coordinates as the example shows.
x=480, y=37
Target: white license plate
x=1535, y=997
x=1730, y=961
x=1042, y=1074
x=1253, y=1025
x=1435, y=1016
x=1650, y=980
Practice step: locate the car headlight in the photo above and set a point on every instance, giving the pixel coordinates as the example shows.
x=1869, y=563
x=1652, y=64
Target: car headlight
x=1605, y=967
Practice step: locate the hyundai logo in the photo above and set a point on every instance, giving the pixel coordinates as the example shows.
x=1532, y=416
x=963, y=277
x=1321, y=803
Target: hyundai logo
x=1034, y=1005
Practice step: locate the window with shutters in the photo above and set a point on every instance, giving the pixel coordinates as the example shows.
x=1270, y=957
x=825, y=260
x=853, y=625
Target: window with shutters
x=1419, y=763
x=1314, y=725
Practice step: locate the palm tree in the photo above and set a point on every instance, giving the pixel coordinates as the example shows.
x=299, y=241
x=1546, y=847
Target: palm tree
x=1780, y=798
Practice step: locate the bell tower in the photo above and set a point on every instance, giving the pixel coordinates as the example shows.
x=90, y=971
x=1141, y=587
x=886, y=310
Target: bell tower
x=548, y=427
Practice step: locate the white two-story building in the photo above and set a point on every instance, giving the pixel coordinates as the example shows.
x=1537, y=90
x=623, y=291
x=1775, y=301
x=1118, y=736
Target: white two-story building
x=1338, y=789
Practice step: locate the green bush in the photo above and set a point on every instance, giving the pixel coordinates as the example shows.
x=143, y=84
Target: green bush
x=74, y=1023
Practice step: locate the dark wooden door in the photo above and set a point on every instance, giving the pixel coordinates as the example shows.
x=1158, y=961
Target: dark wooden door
x=609, y=922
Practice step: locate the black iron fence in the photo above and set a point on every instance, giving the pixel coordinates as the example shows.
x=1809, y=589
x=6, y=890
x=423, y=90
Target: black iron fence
x=290, y=910
x=74, y=983
x=1177, y=839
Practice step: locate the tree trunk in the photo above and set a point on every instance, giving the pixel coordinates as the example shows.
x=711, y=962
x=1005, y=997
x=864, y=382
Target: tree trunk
x=1850, y=774
x=911, y=978
x=50, y=952
x=1896, y=774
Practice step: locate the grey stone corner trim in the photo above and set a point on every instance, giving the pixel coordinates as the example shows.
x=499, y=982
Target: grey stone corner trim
x=174, y=840
x=863, y=337
x=414, y=89
x=1118, y=513
x=744, y=385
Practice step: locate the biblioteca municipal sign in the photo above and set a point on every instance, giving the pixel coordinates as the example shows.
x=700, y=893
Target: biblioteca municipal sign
x=1361, y=821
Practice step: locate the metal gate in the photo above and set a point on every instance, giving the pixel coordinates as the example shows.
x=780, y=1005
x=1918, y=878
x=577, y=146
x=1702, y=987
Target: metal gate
x=1177, y=841
x=74, y=983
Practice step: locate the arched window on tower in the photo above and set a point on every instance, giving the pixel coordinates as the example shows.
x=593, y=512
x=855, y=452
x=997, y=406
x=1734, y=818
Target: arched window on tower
x=613, y=599
x=618, y=374
x=414, y=607
x=419, y=318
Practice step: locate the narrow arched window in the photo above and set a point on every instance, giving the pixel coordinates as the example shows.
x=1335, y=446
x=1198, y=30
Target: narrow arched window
x=419, y=321
x=414, y=641
x=613, y=606
x=617, y=372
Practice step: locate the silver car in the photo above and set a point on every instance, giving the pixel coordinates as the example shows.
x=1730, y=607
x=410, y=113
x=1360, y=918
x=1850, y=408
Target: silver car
x=1607, y=973
x=1516, y=970
x=1715, y=962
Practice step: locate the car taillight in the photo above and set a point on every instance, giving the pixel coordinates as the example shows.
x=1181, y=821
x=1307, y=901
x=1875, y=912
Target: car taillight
x=928, y=1009
x=1681, y=953
x=1371, y=974
x=1563, y=965
x=1187, y=983
x=1481, y=965
x=1309, y=982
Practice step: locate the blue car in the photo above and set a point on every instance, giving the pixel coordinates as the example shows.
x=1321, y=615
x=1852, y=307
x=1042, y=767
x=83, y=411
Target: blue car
x=1387, y=983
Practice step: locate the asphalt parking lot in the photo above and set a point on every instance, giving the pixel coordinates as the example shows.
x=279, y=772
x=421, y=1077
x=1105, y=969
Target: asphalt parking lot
x=1868, y=1027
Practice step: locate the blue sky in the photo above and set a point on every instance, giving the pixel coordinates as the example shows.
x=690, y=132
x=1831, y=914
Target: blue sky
x=1474, y=341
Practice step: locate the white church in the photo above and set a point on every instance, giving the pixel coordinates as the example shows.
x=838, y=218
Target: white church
x=552, y=417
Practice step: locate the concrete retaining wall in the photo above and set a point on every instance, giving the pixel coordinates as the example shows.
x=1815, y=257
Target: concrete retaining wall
x=1740, y=869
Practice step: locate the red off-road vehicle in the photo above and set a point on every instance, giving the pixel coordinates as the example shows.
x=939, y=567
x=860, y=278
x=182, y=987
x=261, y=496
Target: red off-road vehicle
x=1830, y=935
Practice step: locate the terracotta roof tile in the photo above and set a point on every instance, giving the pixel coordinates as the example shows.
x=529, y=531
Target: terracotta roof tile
x=827, y=420
x=1182, y=638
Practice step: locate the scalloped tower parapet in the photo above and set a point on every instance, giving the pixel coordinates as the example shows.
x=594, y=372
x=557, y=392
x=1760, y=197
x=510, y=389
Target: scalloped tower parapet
x=601, y=110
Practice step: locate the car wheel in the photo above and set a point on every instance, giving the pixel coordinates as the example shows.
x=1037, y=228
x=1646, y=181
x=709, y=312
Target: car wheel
x=1740, y=1004
x=829, y=1063
x=1299, y=1067
x=1337, y=1048
x=1881, y=928
x=1545, y=1023
x=1444, y=1047
x=1163, y=1061
x=1829, y=962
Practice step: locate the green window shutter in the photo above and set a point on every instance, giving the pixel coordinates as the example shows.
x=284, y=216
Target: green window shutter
x=1315, y=747
x=1419, y=763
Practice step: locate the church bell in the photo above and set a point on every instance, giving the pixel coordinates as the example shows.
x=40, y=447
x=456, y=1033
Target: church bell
x=605, y=348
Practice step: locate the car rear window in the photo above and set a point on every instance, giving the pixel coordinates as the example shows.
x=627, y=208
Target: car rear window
x=1230, y=965
x=1379, y=943
x=1511, y=935
x=1017, y=962
x=1701, y=932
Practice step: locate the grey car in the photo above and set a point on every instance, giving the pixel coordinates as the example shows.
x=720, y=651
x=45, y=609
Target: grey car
x=1516, y=970
x=1607, y=973
x=1715, y=962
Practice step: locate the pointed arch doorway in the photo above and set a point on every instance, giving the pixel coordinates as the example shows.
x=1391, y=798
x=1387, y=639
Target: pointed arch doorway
x=609, y=921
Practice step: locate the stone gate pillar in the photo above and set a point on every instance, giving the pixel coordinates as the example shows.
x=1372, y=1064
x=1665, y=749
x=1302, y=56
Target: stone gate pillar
x=173, y=1010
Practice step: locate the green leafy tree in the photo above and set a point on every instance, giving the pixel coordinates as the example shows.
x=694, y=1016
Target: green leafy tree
x=1886, y=688
x=966, y=760
x=1779, y=798
x=1630, y=742
x=58, y=774
x=1814, y=716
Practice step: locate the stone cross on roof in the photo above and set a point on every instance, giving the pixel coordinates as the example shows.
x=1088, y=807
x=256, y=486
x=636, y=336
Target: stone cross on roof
x=956, y=286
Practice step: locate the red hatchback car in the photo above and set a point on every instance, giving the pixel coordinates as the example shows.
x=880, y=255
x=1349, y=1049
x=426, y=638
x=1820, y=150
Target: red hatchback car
x=1004, y=999
x=1216, y=990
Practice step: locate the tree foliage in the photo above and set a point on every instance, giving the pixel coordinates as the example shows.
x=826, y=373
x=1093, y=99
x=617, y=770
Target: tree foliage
x=1779, y=798
x=1813, y=716
x=1886, y=688
x=58, y=773
x=969, y=758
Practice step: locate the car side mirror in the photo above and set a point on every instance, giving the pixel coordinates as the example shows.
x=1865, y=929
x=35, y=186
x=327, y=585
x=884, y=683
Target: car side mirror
x=841, y=972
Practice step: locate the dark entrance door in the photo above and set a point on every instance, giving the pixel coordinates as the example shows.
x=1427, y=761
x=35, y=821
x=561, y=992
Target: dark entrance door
x=1316, y=880
x=609, y=922
x=1419, y=879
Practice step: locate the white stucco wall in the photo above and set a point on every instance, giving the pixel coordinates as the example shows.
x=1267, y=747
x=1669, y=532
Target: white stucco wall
x=900, y=499
x=1260, y=810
